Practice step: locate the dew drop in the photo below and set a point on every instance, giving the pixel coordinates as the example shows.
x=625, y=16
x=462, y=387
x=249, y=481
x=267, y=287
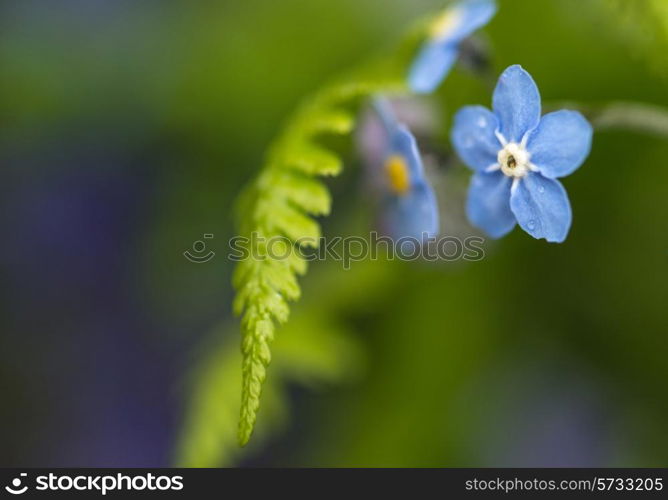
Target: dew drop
x=531, y=224
x=541, y=189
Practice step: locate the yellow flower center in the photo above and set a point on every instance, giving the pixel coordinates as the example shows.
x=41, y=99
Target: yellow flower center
x=444, y=24
x=397, y=174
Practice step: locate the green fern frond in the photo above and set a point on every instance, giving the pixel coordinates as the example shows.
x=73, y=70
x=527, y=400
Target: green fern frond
x=313, y=350
x=282, y=203
x=286, y=195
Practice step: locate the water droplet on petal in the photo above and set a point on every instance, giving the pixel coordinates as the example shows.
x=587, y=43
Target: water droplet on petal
x=541, y=189
x=531, y=224
x=482, y=122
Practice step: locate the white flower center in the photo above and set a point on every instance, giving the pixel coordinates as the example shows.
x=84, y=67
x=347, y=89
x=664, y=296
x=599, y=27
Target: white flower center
x=514, y=160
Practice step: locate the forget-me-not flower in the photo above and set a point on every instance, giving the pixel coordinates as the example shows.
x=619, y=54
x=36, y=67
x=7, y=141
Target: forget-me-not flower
x=441, y=49
x=409, y=208
x=517, y=157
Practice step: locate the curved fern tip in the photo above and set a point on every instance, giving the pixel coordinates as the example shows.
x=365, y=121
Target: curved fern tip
x=244, y=434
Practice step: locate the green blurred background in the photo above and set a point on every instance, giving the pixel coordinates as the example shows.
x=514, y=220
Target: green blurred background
x=128, y=128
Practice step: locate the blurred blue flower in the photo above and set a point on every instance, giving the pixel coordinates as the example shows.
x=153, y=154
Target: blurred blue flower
x=517, y=157
x=409, y=206
x=441, y=49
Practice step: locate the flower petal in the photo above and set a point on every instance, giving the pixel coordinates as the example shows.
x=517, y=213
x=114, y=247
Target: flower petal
x=413, y=215
x=488, y=203
x=440, y=52
x=431, y=66
x=473, y=137
x=477, y=13
x=516, y=103
x=542, y=208
x=561, y=143
x=403, y=144
x=462, y=19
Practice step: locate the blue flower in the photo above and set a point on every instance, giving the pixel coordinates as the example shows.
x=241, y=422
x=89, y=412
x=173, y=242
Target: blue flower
x=409, y=204
x=517, y=157
x=440, y=51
